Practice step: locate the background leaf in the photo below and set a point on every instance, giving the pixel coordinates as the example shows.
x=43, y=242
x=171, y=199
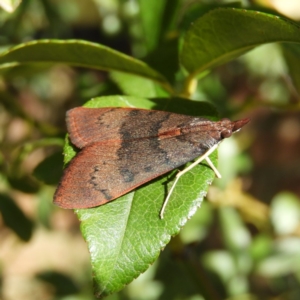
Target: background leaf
x=14, y=217
x=292, y=57
x=62, y=284
x=50, y=169
x=77, y=53
x=225, y=33
x=165, y=58
x=151, y=18
x=136, y=86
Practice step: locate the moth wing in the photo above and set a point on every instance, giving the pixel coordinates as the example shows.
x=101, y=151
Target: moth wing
x=112, y=124
x=91, y=125
x=80, y=185
x=102, y=172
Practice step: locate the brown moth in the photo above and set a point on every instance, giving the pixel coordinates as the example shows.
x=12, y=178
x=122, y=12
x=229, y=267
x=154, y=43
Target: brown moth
x=123, y=148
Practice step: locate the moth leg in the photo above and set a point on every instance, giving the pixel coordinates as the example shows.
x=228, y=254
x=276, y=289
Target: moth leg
x=191, y=166
x=218, y=175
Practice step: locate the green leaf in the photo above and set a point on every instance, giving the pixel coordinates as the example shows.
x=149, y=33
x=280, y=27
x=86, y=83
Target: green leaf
x=157, y=19
x=226, y=33
x=172, y=10
x=125, y=236
x=292, y=57
x=151, y=13
x=61, y=283
x=197, y=9
x=175, y=276
x=24, y=183
x=77, y=53
x=135, y=85
x=50, y=169
x=235, y=233
x=14, y=218
x=165, y=59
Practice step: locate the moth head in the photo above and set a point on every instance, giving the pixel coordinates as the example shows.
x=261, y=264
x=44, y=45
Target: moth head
x=229, y=127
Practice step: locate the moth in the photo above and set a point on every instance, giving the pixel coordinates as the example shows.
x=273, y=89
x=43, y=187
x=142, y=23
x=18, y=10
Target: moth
x=123, y=148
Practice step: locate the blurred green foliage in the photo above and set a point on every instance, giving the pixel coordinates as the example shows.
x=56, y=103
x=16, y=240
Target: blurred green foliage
x=244, y=241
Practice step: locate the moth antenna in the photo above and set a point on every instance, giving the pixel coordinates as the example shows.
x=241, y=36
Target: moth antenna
x=191, y=166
